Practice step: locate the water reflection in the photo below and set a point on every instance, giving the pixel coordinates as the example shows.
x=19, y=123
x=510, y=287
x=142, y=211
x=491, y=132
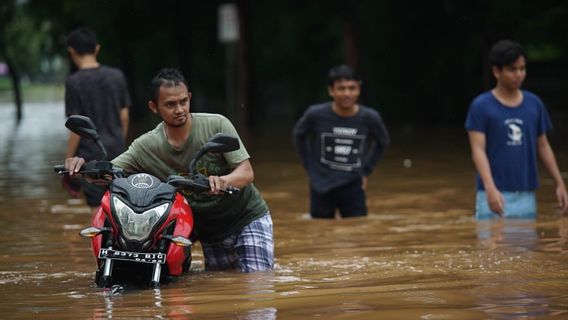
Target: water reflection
x=106, y=312
x=28, y=149
x=512, y=235
x=516, y=241
x=558, y=244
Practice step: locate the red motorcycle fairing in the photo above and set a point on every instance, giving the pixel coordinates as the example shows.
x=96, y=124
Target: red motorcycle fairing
x=99, y=222
x=179, y=211
x=184, y=225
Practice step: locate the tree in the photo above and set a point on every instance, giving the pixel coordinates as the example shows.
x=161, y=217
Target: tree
x=24, y=45
x=7, y=12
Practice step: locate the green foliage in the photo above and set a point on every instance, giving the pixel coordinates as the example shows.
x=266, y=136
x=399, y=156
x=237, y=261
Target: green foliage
x=420, y=61
x=25, y=40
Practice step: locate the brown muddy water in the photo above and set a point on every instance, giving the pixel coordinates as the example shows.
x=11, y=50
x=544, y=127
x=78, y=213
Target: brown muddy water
x=418, y=255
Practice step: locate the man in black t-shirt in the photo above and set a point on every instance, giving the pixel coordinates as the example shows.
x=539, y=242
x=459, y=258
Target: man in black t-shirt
x=339, y=143
x=100, y=93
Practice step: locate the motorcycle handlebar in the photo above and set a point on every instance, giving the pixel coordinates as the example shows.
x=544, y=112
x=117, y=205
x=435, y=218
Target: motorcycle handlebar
x=202, y=182
x=199, y=183
x=232, y=190
x=96, y=170
x=93, y=169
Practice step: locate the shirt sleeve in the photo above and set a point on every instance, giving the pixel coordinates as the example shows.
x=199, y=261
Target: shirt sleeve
x=234, y=157
x=301, y=131
x=381, y=140
x=475, y=120
x=544, y=124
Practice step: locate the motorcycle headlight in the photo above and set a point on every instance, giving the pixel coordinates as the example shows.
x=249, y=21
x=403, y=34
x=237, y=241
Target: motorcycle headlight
x=137, y=226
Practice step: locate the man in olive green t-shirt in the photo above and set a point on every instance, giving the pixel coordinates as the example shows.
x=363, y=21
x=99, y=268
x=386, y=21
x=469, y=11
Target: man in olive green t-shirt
x=235, y=230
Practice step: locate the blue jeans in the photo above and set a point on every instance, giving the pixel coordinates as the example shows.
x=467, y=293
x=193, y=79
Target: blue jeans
x=518, y=205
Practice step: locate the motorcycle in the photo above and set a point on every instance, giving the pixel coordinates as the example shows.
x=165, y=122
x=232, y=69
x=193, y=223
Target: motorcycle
x=143, y=225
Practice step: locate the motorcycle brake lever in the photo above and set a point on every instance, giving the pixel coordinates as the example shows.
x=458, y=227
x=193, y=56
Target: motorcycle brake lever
x=60, y=169
x=232, y=190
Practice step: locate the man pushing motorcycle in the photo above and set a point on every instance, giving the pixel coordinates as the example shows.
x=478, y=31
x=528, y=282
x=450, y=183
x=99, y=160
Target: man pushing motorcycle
x=235, y=230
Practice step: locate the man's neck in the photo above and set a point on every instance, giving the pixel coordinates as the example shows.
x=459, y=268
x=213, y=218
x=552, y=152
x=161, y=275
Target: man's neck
x=87, y=62
x=344, y=112
x=177, y=136
x=508, y=97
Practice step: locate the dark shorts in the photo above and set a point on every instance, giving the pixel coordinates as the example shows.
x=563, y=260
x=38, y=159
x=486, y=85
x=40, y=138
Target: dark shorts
x=349, y=199
x=93, y=193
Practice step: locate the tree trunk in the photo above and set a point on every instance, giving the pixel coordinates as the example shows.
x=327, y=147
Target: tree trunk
x=15, y=78
x=350, y=41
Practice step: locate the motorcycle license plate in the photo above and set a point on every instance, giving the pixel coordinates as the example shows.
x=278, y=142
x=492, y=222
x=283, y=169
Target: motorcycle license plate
x=133, y=256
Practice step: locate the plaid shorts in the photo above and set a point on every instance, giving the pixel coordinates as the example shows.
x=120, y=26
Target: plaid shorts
x=249, y=249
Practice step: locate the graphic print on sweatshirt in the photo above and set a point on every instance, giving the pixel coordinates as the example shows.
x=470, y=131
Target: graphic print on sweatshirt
x=342, y=149
x=514, y=131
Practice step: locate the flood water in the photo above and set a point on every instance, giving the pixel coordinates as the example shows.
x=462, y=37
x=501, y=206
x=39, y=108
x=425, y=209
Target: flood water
x=418, y=255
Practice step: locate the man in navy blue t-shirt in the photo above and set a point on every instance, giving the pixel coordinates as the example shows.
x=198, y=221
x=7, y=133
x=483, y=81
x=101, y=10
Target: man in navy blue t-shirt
x=340, y=142
x=507, y=130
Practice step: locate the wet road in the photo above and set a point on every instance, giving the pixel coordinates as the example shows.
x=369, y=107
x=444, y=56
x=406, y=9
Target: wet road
x=418, y=255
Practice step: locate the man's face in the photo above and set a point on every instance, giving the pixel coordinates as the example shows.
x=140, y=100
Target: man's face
x=512, y=76
x=172, y=105
x=345, y=93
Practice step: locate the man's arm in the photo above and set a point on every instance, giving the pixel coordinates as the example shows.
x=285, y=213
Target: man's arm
x=381, y=140
x=300, y=133
x=241, y=176
x=74, y=164
x=72, y=106
x=549, y=160
x=72, y=145
x=124, y=121
x=479, y=156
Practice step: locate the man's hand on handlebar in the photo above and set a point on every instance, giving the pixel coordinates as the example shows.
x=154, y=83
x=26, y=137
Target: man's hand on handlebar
x=221, y=185
x=74, y=164
x=218, y=184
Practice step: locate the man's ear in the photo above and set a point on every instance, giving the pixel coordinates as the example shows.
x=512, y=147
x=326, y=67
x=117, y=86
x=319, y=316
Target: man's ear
x=330, y=91
x=97, y=49
x=153, y=107
x=496, y=71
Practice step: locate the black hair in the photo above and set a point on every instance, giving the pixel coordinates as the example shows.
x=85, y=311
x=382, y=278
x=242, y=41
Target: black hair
x=167, y=77
x=505, y=52
x=83, y=40
x=341, y=72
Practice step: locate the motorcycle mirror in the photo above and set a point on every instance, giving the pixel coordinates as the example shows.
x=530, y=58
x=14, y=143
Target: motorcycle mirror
x=85, y=128
x=221, y=142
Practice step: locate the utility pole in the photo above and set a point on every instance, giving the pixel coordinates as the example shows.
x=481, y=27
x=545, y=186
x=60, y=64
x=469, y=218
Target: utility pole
x=228, y=35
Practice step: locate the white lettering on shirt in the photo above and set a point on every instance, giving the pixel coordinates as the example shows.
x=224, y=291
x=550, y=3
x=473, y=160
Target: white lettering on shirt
x=345, y=131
